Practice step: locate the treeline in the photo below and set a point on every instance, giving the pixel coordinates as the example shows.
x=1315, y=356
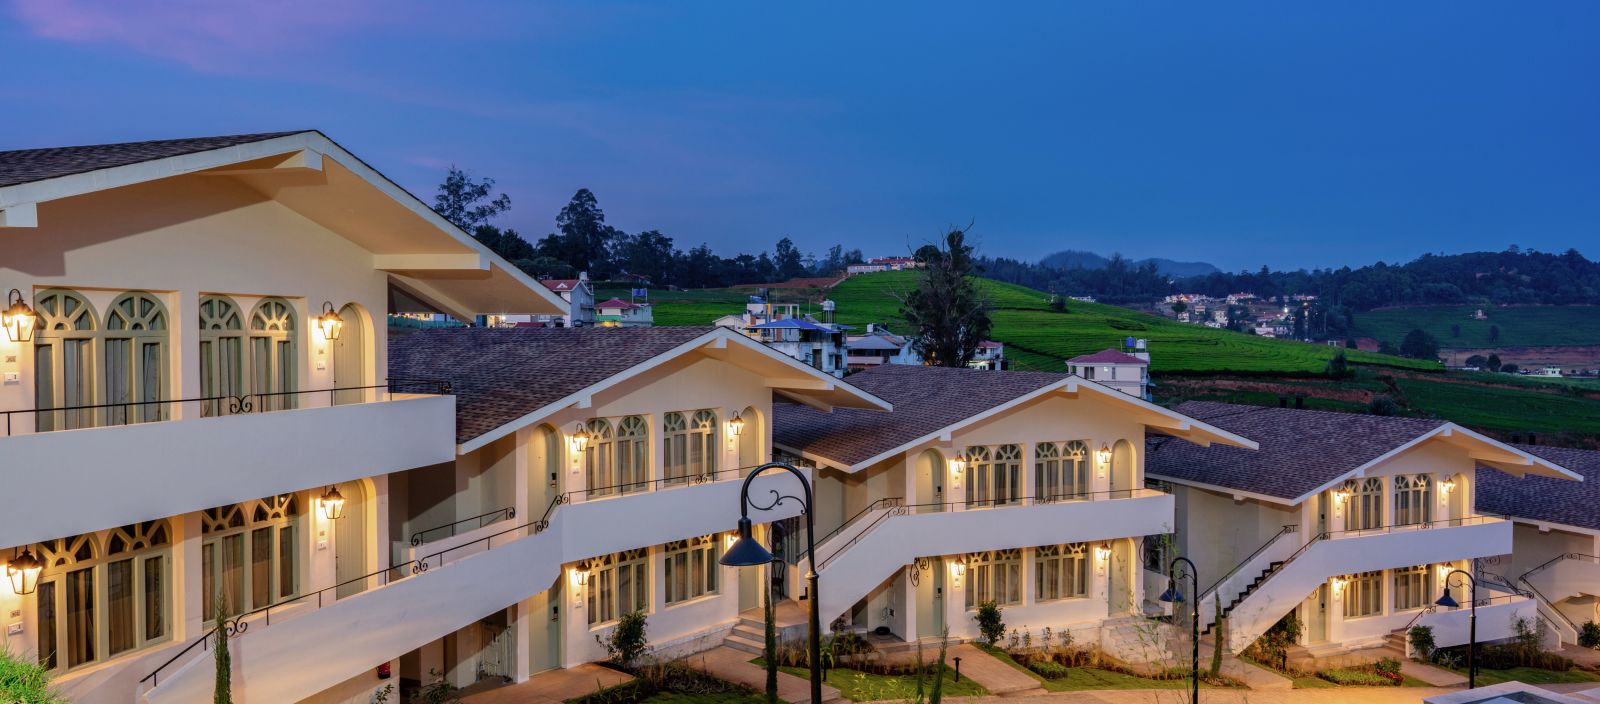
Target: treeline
x=584, y=242
x=1515, y=275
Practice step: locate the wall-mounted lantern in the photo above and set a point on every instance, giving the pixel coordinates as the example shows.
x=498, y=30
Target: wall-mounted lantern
x=18, y=319
x=580, y=573
x=333, y=503
x=958, y=464
x=580, y=438
x=23, y=571
x=735, y=424
x=1103, y=454
x=1338, y=586
x=329, y=323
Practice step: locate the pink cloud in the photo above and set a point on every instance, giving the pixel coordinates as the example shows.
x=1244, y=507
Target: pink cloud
x=202, y=34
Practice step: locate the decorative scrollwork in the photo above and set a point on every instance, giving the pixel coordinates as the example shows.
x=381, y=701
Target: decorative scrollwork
x=540, y=525
x=240, y=404
x=777, y=500
x=236, y=627
x=419, y=566
x=416, y=539
x=915, y=570
x=562, y=499
x=702, y=478
x=511, y=512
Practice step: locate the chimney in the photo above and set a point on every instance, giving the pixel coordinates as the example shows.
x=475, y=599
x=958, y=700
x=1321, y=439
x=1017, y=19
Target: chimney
x=1300, y=401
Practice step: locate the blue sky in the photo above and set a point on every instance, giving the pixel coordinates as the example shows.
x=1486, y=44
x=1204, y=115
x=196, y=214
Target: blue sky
x=1287, y=134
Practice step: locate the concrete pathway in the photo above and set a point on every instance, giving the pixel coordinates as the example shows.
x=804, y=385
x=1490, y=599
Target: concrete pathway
x=1252, y=675
x=553, y=687
x=1584, y=657
x=1001, y=679
x=735, y=666
x=1436, y=676
x=1342, y=695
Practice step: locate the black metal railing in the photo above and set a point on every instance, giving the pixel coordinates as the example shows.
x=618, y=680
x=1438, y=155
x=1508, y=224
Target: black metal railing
x=100, y=415
x=1287, y=529
x=241, y=623
x=482, y=519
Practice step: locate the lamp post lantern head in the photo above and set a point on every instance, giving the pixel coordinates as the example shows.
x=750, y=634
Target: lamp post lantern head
x=746, y=551
x=1171, y=595
x=1446, y=600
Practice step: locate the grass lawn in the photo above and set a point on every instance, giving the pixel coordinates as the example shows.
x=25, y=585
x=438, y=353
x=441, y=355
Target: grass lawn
x=1082, y=678
x=1519, y=325
x=858, y=686
x=1531, y=675
x=723, y=698
x=1312, y=682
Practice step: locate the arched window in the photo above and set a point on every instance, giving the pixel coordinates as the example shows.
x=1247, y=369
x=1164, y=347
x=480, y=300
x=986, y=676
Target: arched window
x=272, y=354
x=1413, y=500
x=222, y=343
x=996, y=475
x=598, y=459
x=94, y=603
x=1365, y=503
x=134, y=359
x=1059, y=470
x=689, y=446
x=994, y=575
x=633, y=454
x=618, y=584
x=1061, y=572
x=691, y=568
x=64, y=353
x=251, y=554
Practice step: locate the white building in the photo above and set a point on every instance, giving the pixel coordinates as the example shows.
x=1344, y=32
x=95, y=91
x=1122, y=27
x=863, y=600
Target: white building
x=820, y=344
x=1128, y=372
x=617, y=313
x=879, y=346
x=1351, y=522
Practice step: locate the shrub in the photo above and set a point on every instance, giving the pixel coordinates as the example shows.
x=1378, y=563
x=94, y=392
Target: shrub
x=23, y=680
x=1383, y=405
x=1348, y=676
x=1589, y=635
x=1387, y=666
x=990, y=624
x=1049, y=669
x=627, y=641
x=1421, y=638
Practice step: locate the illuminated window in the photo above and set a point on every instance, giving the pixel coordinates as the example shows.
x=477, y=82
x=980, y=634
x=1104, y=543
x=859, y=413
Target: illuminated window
x=1411, y=588
x=994, y=475
x=1412, y=504
x=691, y=568
x=618, y=584
x=1363, y=594
x=251, y=554
x=994, y=575
x=104, y=594
x=1060, y=469
x=1061, y=572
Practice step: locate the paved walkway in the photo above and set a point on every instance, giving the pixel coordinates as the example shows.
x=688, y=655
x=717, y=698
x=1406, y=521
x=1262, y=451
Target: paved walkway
x=998, y=677
x=1436, y=676
x=1343, y=695
x=553, y=687
x=1252, y=675
x=735, y=666
x=1585, y=657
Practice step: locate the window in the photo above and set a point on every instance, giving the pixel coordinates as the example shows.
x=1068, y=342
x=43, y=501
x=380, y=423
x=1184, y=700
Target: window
x=64, y=374
x=272, y=355
x=1411, y=499
x=1363, y=594
x=135, y=359
x=633, y=454
x=1158, y=551
x=94, y=603
x=689, y=444
x=618, y=584
x=222, y=343
x=995, y=477
x=995, y=575
x=1411, y=588
x=691, y=568
x=599, y=459
x=251, y=554
x=1059, y=469
x=1062, y=572
x=1364, y=509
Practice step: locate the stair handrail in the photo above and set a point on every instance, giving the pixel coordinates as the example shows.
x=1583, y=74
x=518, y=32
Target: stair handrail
x=1286, y=529
x=1549, y=604
x=1558, y=558
x=879, y=504
x=238, y=624
x=510, y=512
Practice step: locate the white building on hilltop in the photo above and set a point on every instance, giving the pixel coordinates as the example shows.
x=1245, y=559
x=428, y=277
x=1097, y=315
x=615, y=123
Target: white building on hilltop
x=820, y=344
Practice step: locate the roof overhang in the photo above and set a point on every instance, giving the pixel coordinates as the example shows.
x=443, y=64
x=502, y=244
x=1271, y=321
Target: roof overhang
x=425, y=254
x=1484, y=450
x=1150, y=415
x=785, y=375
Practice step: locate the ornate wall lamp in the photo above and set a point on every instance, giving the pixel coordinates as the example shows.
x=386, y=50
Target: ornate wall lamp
x=332, y=503
x=23, y=571
x=329, y=323
x=18, y=319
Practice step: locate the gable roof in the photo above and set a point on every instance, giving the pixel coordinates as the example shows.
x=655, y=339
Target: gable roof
x=502, y=375
x=618, y=303
x=1107, y=356
x=29, y=165
x=929, y=401
x=1304, y=451
x=560, y=285
x=1545, y=499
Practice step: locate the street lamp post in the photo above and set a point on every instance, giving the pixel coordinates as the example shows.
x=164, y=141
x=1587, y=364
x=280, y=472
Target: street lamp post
x=747, y=552
x=1175, y=597
x=1449, y=602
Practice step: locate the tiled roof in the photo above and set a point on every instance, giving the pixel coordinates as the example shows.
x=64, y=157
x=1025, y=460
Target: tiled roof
x=1544, y=498
x=990, y=345
x=560, y=284
x=1300, y=450
x=791, y=324
x=925, y=399
x=29, y=165
x=617, y=303
x=1106, y=357
x=501, y=374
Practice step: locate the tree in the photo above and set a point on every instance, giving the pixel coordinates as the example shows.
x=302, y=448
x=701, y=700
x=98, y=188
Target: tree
x=584, y=238
x=1338, y=367
x=1179, y=307
x=461, y=200
x=1493, y=363
x=1383, y=405
x=1455, y=329
x=1418, y=344
x=223, y=692
x=1478, y=361
x=1510, y=368
x=949, y=312
x=786, y=260
x=1494, y=333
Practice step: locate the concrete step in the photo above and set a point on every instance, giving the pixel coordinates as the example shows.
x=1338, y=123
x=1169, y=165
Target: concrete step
x=744, y=645
x=756, y=634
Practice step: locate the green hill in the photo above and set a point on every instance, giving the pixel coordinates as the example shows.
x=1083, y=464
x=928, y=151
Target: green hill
x=1520, y=326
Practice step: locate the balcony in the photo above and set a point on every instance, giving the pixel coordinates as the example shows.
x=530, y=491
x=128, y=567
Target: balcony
x=116, y=467
x=886, y=537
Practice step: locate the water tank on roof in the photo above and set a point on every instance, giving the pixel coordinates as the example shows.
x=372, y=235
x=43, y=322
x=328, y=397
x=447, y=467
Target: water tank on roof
x=828, y=305
x=1139, y=344
x=1127, y=343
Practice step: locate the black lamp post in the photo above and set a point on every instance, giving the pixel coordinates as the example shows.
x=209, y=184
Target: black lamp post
x=1175, y=597
x=746, y=552
x=1449, y=602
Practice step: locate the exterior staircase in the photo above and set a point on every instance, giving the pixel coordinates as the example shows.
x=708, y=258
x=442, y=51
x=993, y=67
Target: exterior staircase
x=1145, y=644
x=1266, y=572
x=748, y=636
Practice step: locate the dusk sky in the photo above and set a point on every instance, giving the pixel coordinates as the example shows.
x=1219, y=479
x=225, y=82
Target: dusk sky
x=1286, y=134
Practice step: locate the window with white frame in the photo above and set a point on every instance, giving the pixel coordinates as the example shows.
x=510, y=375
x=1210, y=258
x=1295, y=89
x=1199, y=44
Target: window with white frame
x=1060, y=469
x=1061, y=572
x=616, y=459
x=689, y=442
x=1411, y=587
x=1412, y=496
x=1364, y=506
x=619, y=584
x=994, y=575
x=222, y=345
x=251, y=554
x=273, y=365
x=1363, y=594
x=1159, y=550
x=64, y=367
x=97, y=600
x=134, y=359
x=994, y=475
x=690, y=568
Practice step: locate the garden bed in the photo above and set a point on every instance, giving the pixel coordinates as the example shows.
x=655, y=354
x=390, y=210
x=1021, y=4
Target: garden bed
x=1084, y=670
x=877, y=683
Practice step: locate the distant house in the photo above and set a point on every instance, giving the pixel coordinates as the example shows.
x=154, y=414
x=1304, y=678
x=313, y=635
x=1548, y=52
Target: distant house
x=990, y=355
x=883, y=264
x=579, y=296
x=1128, y=372
x=617, y=313
x=781, y=325
x=878, y=347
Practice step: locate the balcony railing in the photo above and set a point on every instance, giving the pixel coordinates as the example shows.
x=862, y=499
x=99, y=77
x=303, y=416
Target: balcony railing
x=102, y=415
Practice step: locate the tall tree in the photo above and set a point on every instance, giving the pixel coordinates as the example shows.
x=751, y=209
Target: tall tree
x=948, y=310
x=786, y=260
x=584, y=237
x=1418, y=344
x=466, y=202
